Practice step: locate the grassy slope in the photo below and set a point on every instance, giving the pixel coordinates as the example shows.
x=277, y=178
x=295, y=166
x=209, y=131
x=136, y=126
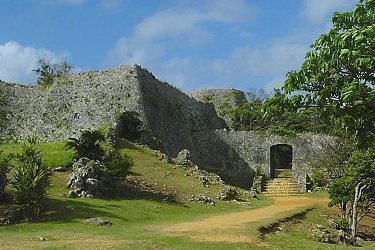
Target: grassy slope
x=131, y=217
x=134, y=219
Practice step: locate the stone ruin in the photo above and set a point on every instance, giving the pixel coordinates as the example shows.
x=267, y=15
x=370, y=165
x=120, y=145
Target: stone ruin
x=95, y=99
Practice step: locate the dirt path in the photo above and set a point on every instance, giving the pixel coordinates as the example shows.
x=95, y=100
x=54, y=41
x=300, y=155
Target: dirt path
x=230, y=227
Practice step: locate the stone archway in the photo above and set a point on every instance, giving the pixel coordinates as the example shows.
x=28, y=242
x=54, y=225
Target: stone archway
x=281, y=156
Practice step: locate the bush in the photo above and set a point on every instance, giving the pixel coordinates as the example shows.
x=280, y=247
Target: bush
x=117, y=164
x=318, y=179
x=4, y=168
x=31, y=180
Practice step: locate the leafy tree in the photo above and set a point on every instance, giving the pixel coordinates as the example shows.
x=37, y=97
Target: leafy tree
x=31, y=180
x=337, y=78
x=49, y=72
x=87, y=145
x=248, y=116
x=129, y=125
x=335, y=87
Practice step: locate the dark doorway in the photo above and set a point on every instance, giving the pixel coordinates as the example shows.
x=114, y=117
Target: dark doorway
x=281, y=157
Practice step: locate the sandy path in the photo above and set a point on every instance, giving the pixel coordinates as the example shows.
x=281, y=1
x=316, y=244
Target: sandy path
x=227, y=227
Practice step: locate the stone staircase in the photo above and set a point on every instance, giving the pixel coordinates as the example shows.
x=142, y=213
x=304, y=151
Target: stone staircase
x=282, y=185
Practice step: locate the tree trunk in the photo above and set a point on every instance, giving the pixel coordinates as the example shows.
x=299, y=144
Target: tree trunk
x=357, y=196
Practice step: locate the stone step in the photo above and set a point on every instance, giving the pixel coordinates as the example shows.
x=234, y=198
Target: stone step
x=278, y=189
x=284, y=186
x=283, y=173
x=280, y=185
x=281, y=195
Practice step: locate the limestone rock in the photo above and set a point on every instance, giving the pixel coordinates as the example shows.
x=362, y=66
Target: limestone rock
x=183, y=158
x=202, y=199
x=227, y=194
x=84, y=181
x=97, y=221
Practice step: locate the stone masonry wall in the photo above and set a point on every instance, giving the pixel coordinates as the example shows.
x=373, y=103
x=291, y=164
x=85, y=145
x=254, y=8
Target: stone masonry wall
x=235, y=154
x=173, y=116
x=88, y=100
x=222, y=99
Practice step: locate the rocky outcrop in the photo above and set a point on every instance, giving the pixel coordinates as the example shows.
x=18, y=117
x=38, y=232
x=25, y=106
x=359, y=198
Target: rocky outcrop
x=88, y=179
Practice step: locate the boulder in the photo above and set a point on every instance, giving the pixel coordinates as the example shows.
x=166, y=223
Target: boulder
x=227, y=194
x=97, y=221
x=183, y=158
x=85, y=181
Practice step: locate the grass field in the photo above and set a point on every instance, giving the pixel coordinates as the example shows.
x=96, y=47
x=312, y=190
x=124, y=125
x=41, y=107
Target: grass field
x=136, y=220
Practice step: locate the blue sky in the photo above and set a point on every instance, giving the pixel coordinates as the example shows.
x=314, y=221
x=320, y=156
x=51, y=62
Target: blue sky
x=242, y=44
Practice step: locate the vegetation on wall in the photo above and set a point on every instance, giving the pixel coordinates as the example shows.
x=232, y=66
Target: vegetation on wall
x=49, y=72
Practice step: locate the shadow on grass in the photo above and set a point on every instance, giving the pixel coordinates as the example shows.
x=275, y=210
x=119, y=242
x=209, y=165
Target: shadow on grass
x=124, y=144
x=274, y=226
x=68, y=210
x=134, y=191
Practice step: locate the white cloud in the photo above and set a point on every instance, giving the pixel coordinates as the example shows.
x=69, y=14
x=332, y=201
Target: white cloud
x=155, y=39
x=73, y=2
x=17, y=61
x=111, y=4
x=178, y=27
x=317, y=11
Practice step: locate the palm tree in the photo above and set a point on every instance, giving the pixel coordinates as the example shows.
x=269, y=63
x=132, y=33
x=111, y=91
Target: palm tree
x=87, y=145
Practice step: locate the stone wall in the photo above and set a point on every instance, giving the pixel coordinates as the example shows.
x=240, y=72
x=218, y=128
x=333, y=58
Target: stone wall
x=87, y=100
x=173, y=116
x=90, y=100
x=222, y=99
x=236, y=154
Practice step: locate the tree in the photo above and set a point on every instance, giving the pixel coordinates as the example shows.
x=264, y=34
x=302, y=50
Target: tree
x=355, y=188
x=337, y=77
x=87, y=145
x=336, y=84
x=48, y=72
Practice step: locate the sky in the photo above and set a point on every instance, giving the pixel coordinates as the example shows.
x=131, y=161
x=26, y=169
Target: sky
x=192, y=44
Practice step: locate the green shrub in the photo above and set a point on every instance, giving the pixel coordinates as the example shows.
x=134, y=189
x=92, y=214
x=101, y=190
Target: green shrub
x=4, y=168
x=318, y=179
x=117, y=164
x=31, y=180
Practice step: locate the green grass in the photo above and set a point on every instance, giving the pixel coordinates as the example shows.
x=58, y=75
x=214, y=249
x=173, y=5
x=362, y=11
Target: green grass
x=297, y=234
x=52, y=153
x=136, y=220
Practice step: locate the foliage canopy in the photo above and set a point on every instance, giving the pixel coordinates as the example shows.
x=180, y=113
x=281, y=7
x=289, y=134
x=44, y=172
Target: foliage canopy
x=336, y=81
